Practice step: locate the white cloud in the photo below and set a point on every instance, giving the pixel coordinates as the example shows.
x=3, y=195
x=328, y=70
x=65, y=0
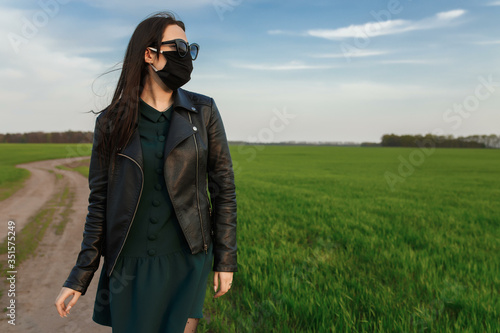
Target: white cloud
x=371, y=29
x=375, y=91
x=293, y=65
x=389, y=27
x=277, y=32
x=355, y=53
x=493, y=3
x=130, y=4
x=11, y=73
x=48, y=84
x=411, y=61
x=488, y=42
x=452, y=14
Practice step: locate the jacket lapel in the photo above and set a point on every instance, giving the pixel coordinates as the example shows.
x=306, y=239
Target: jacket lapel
x=180, y=128
x=133, y=149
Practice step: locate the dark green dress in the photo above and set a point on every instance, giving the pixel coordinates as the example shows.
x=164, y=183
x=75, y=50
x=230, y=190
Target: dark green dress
x=157, y=284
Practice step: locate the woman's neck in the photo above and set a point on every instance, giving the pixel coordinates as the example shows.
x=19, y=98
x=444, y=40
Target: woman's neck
x=156, y=94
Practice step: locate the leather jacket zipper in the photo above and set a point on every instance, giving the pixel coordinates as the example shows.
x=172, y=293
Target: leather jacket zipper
x=135, y=211
x=210, y=212
x=205, y=247
x=209, y=206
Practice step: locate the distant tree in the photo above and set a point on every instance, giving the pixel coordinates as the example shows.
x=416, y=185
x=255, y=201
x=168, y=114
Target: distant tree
x=35, y=137
x=391, y=140
x=370, y=144
x=492, y=141
x=42, y=137
x=407, y=141
x=443, y=141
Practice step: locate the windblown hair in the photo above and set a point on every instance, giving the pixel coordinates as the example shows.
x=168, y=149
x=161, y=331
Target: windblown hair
x=123, y=112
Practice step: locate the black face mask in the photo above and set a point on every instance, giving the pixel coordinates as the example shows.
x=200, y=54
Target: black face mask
x=177, y=70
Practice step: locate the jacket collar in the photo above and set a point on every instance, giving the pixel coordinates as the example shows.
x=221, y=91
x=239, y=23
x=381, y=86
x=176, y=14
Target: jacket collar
x=180, y=128
x=182, y=100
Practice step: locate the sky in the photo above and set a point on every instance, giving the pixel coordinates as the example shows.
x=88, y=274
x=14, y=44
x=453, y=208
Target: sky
x=294, y=70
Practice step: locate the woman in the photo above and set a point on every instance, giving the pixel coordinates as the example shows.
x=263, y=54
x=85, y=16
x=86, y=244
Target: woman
x=162, y=199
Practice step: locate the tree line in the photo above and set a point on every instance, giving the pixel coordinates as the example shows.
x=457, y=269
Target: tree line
x=388, y=140
x=51, y=137
x=442, y=141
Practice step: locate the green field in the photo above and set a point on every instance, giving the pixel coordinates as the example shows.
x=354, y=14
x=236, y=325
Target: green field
x=327, y=244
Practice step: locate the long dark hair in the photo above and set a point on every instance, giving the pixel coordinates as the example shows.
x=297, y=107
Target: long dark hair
x=122, y=114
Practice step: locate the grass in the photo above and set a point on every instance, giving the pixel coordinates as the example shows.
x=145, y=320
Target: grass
x=328, y=243
x=66, y=202
x=325, y=244
x=82, y=167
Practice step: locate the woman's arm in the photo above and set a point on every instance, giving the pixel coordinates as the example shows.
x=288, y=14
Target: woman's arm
x=223, y=194
x=94, y=231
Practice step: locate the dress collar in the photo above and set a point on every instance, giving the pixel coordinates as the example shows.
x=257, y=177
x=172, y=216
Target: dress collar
x=153, y=114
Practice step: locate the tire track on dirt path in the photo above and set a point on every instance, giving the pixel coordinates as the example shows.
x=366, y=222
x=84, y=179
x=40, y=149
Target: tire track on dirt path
x=39, y=278
x=36, y=191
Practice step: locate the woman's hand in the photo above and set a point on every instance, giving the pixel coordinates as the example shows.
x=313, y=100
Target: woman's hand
x=226, y=279
x=63, y=294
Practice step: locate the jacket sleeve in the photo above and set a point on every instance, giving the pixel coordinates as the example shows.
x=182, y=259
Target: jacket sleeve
x=89, y=257
x=223, y=195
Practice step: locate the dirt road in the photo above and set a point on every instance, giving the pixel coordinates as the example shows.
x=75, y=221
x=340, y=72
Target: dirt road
x=39, y=279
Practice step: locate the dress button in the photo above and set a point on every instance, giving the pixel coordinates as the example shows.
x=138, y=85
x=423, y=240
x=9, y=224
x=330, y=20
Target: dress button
x=194, y=128
x=151, y=252
x=162, y=119
x=157, y=187
x=193, y=108
x=152, y=237
x=159, y=154
x=159, y=171
x=156, y=203
x=153, y=220
x=161, y=138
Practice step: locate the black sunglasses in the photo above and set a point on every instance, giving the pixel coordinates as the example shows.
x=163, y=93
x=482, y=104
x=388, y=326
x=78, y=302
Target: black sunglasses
x=182, y=48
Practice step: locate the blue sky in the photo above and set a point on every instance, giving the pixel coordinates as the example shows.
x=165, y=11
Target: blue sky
x=278, y=70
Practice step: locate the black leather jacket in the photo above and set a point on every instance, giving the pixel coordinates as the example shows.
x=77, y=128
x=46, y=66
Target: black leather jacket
x=197, y=157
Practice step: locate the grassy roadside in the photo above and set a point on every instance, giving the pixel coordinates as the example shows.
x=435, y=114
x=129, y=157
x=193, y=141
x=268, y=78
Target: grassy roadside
x=55, y=213
x=12, y=178
x=82, y=167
